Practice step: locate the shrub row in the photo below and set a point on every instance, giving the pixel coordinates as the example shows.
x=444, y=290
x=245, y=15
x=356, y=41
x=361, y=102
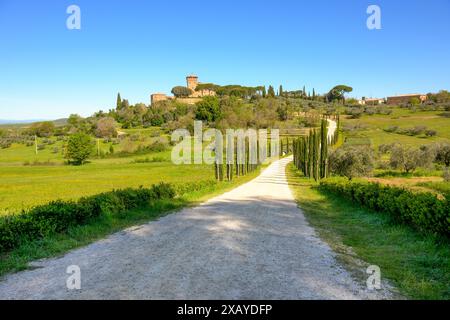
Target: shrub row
x=58, y=216
x=422, y=210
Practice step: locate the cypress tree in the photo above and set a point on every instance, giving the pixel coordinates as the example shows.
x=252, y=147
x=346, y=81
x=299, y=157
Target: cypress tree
x=315, y=155
x=323, y=149
x=310, y=153
x=119, y=102
x=271, y=92
x=280, y=92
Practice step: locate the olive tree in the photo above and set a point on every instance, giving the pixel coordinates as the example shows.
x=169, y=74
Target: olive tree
x=106, y=128
x=443, y=154
x=408, y=159
x=351, y=162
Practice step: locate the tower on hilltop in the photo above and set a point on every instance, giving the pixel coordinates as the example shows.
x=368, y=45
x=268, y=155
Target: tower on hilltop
x=192, y=82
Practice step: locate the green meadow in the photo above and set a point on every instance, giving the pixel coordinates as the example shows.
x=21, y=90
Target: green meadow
x=29, y=179
x=372, y=127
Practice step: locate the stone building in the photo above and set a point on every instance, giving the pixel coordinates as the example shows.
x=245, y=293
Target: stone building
x=405, y=98
x=191, y=83
x=371, y=101
x=155, y=97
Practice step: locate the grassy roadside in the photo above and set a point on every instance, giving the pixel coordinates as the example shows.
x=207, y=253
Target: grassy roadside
x=55, y=245
x=416, y=264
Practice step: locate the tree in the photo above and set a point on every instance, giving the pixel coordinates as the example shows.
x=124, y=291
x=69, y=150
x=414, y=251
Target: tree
x=350, y=161
x=409, y=159
x=106, y=128
x=208, y=109
x=125, y=104
x=264, y=93
x=271, y=92
x=79, y=148
x=42, y=129
x=119, y=102
x=337, y=93
x=282, y=112
x=323, y=149
x=74, y=120
x=181, y=92
x=314, y=94
x=414, y=101
x=443, y=154
x=280, y=92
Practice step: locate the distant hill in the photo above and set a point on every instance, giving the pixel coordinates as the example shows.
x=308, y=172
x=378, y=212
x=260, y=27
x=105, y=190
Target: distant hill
x=21, y=123
x=9, y=121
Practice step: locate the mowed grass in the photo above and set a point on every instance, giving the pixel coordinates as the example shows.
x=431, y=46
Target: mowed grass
x=417, y=264
x=23, y=186
x=373, y=127
x=28, y=179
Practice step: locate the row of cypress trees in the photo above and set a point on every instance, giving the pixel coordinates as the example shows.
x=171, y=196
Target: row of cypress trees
x=311, y=152
x=233, y=167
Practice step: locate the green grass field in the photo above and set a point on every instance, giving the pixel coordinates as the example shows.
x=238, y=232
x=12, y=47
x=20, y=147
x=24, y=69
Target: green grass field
x=373, y=127
x=23, y=186
x=28, y=179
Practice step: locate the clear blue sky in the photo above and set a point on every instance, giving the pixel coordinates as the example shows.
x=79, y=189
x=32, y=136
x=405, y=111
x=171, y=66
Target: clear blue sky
x=140, y=47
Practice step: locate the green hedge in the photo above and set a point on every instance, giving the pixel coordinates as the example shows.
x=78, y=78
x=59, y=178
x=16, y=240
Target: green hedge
x=58, y=216
x=422, y=210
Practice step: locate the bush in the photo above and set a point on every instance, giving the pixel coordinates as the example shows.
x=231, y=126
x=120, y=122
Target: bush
x=4, y=144
x=58, y=216
x=430, y=133
x=391, y=129
x=424, y=211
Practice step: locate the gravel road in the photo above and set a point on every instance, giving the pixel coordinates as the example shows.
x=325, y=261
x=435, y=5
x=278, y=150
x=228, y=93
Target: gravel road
x=250, y=243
